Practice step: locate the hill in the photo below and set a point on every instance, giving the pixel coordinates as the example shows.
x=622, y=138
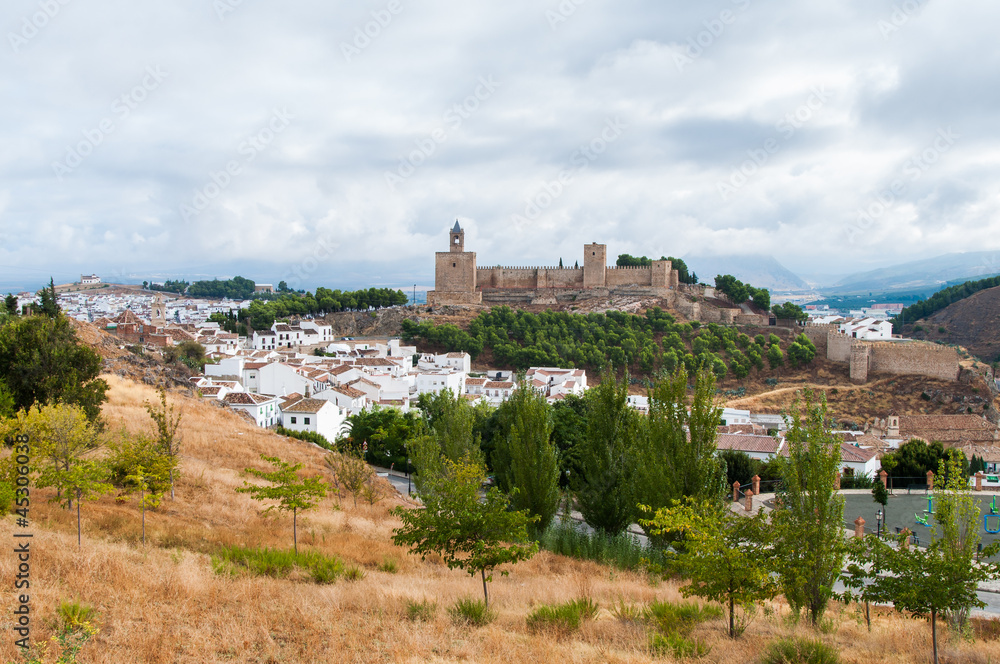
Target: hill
x=166, y=602
x=758, y=270
x=973, y=322
x=928, y=274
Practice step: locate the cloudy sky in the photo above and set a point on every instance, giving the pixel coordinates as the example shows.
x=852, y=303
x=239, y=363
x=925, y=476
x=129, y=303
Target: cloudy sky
x=333, y=142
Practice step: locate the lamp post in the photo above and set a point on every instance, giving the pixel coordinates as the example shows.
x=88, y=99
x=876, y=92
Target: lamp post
x=878, y=522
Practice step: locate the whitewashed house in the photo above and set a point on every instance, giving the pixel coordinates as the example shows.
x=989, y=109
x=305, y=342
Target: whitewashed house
x=352, y=400
x=858, y=461
x=262, y=409
x=435, y=381
x=281, y=379
x=762, y=448
x=867, y=328
x=264, y=340
x=324, y=332
x=313, y=415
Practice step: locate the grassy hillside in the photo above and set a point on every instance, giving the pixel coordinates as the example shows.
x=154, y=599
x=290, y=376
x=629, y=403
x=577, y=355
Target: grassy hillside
x=972, y=322
x=164, y=603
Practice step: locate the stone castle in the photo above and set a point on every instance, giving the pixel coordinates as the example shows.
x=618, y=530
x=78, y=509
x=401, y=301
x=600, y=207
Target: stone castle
x=458, y=280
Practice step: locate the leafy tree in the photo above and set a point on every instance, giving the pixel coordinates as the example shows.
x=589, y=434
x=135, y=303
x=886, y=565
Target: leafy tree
x=469, y=533
x=761, y=298
x=925, y=582
x=801, y=352
x=789, y=310
x=10, y=303
x=606, y=485
x=127, y=452
x=41, y=362
x=913, y=459
x=678, y=450
x=169, y=441
x=451, y=438
x=87, y=480
x=881, y=496
x=62, y=437
x=7, y=405
x=569, y=429
x=530, y=458
x=726, y=557
x=809, y=525
x=740, y=467
x=293, y=495
x=351, y=471
x=192, y=354
x=149, y=484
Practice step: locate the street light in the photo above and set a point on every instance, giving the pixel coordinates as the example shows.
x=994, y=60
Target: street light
x=878, y=521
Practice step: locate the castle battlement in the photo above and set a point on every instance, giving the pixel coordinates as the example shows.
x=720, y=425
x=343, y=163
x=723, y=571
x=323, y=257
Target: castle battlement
x=458, y=280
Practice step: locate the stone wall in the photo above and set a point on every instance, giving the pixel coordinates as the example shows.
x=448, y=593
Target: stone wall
x=455, y=272
x=838, y=347
x=860, y=362
x=452, y=297
x=818, y=335
x=595, y=265
x=914, y=357
x=628, y=276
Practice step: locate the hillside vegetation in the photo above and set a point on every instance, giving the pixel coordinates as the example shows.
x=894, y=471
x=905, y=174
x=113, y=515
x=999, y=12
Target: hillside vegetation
x=165, y=603
x=971, y=321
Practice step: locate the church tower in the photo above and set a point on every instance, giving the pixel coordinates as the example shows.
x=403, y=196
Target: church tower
x=455, y=273
x=158, y=313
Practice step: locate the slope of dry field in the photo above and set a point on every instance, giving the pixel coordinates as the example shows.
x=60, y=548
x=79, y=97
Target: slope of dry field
x=163, y=603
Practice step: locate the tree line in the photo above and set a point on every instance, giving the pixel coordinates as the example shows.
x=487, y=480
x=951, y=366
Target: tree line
x=942, y=299
x=683, y=275
x=645, y=344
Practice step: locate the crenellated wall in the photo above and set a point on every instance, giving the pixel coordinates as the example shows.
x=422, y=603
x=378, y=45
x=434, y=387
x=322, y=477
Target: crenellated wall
x=628, y=276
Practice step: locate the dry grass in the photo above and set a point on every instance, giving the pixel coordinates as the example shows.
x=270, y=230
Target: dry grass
x=164, y=604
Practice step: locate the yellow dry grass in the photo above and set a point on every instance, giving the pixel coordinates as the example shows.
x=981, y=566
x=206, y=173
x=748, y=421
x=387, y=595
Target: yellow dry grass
x=163, y=603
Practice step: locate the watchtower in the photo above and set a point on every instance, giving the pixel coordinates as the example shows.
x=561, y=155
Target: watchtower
x=456, y=241
x=455, y=273
x=158, y=317
x=595, y=265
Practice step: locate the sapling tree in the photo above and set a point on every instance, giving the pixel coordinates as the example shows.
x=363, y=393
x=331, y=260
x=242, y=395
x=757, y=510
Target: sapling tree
x=350, y=470
x=87, y=480
x=881, y=496
x=809, y=525
x=146, y=482
x=166, y=422
x=292, y=493
x=470, y=533
x=726, y=557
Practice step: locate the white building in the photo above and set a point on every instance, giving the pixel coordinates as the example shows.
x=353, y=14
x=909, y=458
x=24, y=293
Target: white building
x=313, y=415
x=866, y=328
x=859, y=461
x=762, y=448
x=262, y=409
x=552, y=381
x=323, y=332
x=498, y=391
x=349, y=399
x=435, y=381
x=638, y=402
x=734, y=416
x=282, y=379
x=89, y=279
x=264, y=340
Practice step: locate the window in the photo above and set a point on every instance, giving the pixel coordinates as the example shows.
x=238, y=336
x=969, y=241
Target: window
x=454, y=264
x=305, y=420
x=293, y=420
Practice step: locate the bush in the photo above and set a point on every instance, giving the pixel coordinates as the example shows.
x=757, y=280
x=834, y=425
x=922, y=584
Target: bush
x=471, y=612
x=308, y=436
x=800, y=651
x=279, y=564
x=6, y=498
x=389, y=566
x=679, y=617
x=423, y=610
x=621, y=551
x=354, y=574
x=75, y=615
x=677, y=645
x=565, y=617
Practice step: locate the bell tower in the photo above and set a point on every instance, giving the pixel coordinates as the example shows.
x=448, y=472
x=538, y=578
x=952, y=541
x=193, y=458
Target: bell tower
x=456, y=239
x=158, y=318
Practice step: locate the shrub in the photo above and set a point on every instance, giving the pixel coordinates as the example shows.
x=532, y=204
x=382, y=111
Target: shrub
x=388, y=565
x=565, y=617
x=75, y=615
x=679, y=617
x=677, y=645
x=471, y=612
x=800, y=651
x=621, y=551
x=6, y=498
x=354, y=574
x=627, y=613
x=423, y=610
x=279, y=564
x=942, y=329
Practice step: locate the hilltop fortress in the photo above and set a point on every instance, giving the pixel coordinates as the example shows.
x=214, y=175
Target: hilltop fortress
x=458, y=280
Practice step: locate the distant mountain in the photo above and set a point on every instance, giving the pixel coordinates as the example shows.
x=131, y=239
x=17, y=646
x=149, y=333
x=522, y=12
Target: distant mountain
x=930, y=273
x=756, y=270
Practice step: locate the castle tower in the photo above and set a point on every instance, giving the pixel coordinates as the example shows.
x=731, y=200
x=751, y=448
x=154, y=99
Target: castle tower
x=595, y=265
x=455, y=273
x=457, y=239
x=158, y=313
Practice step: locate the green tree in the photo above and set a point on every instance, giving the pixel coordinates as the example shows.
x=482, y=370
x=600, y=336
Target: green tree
x=925, y=582
x=292, y=494
x=149, y=484
x=775, y=357
x=810, y=522
x=678, y=449
x=740, y=467
x=350, y=470
x=166, y=422
x=48, y=301
x=10, y=303
x=127, y=452
x=880, y=495
x=726, y=557
x=41, y=361
x=61, y=437
x=913, y=459
x=7, y=405
x=451, y=437
x=192, y=354
x=469, y=533
x=605, y=488
x=791, y=311
x=530, y=458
